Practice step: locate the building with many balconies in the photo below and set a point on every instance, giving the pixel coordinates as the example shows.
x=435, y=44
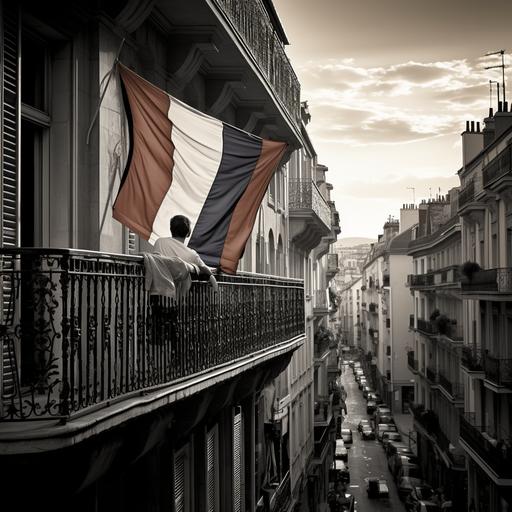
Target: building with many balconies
x=126, y=400
x=438, y=341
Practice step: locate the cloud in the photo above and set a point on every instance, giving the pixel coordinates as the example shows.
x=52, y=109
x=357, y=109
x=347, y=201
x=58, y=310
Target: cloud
x=392, y=104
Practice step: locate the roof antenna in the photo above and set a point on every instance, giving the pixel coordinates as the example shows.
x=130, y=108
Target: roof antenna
x=502, y=66
x=490, y=91
x=413, y=194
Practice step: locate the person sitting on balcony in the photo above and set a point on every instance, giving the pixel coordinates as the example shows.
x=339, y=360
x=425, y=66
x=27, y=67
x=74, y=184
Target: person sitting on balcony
x=175, y=247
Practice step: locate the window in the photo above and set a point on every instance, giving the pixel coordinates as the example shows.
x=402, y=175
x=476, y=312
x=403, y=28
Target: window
x=181, y=480
x=212, y=471
x=238, y=462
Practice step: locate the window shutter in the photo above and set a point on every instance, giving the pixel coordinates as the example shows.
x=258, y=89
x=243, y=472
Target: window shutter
x=132, y=242
x=238, y=493
x=179, y=482
x=9, y=97
x=211, y=472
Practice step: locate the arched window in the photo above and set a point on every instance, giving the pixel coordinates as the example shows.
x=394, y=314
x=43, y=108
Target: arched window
x=271, y=253
x=280, y=257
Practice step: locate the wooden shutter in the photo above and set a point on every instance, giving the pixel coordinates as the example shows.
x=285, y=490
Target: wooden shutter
x=9, y=119
x=212, y=498
x=238, y=493
x=179, y=481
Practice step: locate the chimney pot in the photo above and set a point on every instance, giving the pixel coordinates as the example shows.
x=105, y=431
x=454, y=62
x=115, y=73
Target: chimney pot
x=500, y=106
x=472, y=126
x=491, y=112
x=467, y=126
x=505, y=106
x=478, y=127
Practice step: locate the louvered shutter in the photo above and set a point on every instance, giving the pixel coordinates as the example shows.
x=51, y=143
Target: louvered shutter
x=238, y=494
x=9, y=94
x=211, y=470
x=179, y=482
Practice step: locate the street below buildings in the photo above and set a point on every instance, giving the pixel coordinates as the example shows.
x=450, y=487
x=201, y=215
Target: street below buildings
x=365, y=458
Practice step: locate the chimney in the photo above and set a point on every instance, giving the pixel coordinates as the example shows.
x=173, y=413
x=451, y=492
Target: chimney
x=391, y=228
x=489, y=129
x=472, y=143
x=409, y=215
x=502, y=121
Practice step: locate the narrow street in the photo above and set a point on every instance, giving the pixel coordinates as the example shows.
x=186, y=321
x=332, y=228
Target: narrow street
x=365, y=458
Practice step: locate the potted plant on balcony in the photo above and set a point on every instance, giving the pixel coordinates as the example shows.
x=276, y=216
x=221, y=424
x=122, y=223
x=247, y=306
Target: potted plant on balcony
x=469, y=268
x=434, y=315
x=443, y=325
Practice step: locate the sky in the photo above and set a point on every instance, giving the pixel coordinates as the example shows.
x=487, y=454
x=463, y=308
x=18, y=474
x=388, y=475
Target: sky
x=390, y=85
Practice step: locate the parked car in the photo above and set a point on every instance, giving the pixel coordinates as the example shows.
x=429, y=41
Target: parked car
x=388, y=436
x=341, y=451
x=405, y=486
x=340, y=473
x=339, y=422
x=366, y=390
x=368, y=432
x=394, y=447
x=371, y=405
x=361, y=424
x=376, y=487
x=362, y=382
x=385, y=427
x=427, y=506
x=346, y=435
x=420, y=492
x=351, y=363
x=385, y=418
x=374, y=396
x=382, y=410
x=407, y=469
x=340, y=501
x=397, y=461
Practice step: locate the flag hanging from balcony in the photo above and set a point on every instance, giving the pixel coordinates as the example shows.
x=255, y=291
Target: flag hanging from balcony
x=184, y=162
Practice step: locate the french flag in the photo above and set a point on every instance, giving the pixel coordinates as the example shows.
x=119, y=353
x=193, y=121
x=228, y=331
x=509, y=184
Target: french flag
x=184, y=162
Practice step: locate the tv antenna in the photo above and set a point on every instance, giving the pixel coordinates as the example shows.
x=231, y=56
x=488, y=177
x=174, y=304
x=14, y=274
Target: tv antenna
x=502, y=66
x=413, y=193
x=490, y=91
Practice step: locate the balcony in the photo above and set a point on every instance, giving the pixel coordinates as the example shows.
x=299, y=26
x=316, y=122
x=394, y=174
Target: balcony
x=425, y=327
x=467, y=194
x=444, y=277
x=498, y=171
x=498, y=371
x=373, y=308
x=80, y=331
x=251, y=22
x=310, y=215
x=454, y=389
x=432, y=374
x=320, y=303
x=411, y=362
x=471, y=359
x=332, y=265
x=411, y=321
x=489, y=449
x=492, y=281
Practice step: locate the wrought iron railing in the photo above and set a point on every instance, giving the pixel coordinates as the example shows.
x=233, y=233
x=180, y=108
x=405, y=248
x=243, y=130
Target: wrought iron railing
x=492, y=447
x=497, y=167
x=471, y=358
x=432, y=374
x=321, y=301
x=411, y=321
x=467, y=194
x=425, y=326
x=498, y=370
x=251, y=21
x=372, y=307
x=494, y=280
x=455, y=389
x=304, y=194
x=411, y=362
x=332, y=262
x=80, y=330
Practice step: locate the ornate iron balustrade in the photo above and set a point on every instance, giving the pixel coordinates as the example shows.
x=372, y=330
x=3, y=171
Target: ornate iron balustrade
x=332, y=262
x=498, y=370
x=251, y=21
x=304, y=194
x=471, y=358
x=495, y=280
x=495, y=450
x=320, y=299
x=432, y=374
x=280, y=500
x=498, y=167
x=467, y=194
x=411, y=362
x=425, y=327
x=455, y=389
x=80, y=330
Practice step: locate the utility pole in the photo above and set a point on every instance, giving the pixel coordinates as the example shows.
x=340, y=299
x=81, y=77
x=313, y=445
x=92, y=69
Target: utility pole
x=502, y=66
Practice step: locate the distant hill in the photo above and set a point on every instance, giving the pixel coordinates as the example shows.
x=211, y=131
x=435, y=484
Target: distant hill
x=352, y=242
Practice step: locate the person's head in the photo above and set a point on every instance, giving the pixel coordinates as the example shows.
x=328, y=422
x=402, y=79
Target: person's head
x=180, y=226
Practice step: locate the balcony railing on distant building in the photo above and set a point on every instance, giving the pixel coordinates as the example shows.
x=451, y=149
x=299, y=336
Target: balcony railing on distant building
x=411, y=362
x=252, y=22
x=455, y=389
x=79, y=330
x=498, y=167
x=332, y=263
x=498, y=370
x=471, y=359
x=493, y=448
x=495, y=280
x=425, y=326
x=467, y=194
x=372, y=307
x=444, y=276
x=304, y=195
x=320, y=300
x=432, y=374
